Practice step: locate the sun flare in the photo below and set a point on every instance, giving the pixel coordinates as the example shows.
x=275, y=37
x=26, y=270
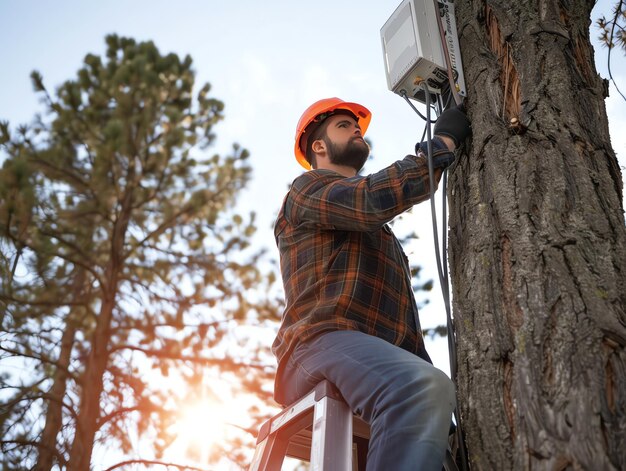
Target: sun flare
x=200, y=426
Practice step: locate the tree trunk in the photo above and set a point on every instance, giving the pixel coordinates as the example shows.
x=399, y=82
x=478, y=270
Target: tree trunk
x=91, y=390
x=54, y=411
x=538, y=245
x=97, y=362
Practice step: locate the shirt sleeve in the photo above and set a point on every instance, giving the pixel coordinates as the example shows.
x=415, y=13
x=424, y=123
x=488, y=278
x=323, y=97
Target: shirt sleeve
x=327, y=200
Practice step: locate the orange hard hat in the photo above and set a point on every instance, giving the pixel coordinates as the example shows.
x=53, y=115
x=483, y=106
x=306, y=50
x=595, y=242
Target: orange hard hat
x=312, y=114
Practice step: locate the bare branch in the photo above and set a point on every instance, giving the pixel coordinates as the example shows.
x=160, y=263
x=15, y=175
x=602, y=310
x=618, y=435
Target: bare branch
x=34, y=444
x=41, y=358
x=191, y=359
x=153, y=462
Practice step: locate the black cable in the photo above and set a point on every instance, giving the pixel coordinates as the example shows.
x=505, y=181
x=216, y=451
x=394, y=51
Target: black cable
x=404, y=95
x=443, y=281
x=444, y=227
x=443, y=272
x=448, y=102
x=444, y=206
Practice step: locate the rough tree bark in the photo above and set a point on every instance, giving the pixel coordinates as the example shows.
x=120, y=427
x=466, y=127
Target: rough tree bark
x=538, y=244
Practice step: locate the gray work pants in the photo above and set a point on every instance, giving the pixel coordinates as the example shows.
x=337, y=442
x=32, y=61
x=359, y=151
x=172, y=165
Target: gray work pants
x=406, y=400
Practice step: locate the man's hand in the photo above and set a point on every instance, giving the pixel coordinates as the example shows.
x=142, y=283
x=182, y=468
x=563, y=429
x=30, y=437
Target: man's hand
x=452, y=125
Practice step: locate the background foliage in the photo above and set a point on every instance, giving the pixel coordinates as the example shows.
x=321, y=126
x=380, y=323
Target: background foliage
x=125, y=267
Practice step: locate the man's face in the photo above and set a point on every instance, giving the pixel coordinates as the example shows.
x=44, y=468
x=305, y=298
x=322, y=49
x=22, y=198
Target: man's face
x=345, y=144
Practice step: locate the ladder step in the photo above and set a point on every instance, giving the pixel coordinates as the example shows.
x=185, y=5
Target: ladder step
x=319, y=428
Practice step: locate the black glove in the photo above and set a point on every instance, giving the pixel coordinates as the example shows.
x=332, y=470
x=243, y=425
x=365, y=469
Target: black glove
x=453, y=123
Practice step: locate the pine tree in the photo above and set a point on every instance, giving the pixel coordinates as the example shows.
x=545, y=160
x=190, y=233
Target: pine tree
x=123, y=260
x=538, y=245
x=613, y=33
x=613, y=30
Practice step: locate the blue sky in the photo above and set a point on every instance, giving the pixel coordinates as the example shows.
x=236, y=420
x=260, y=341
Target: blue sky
x=267, y=60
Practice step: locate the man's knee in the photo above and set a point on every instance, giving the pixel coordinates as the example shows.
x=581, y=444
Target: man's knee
x=443, y=388
x=430, y=385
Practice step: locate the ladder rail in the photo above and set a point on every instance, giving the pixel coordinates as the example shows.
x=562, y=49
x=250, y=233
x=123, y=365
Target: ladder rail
x=331, y=448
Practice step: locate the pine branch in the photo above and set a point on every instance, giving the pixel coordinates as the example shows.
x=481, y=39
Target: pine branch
x=153, y=462
x=59, y=170
x=38, y=303
x=26, y=397
x=163, y=354
x=42, y=359
x=178, y=326
x=35, y=444
x=119, y=412
x=87, y=266
x=162, y=228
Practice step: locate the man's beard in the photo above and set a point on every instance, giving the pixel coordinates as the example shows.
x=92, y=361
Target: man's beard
x=352, y=154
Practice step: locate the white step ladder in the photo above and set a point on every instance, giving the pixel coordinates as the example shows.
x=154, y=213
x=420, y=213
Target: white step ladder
x=319, y=428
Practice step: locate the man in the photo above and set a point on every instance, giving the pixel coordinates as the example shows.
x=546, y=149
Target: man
x=350, y=313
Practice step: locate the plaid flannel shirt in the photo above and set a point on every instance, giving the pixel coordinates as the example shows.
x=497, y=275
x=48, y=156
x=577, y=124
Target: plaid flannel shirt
x=342, y=267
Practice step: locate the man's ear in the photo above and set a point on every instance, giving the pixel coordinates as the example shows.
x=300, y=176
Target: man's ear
x=318, y=146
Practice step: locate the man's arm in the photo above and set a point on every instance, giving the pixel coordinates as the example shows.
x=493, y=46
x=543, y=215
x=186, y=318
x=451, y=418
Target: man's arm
x=327, y=200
